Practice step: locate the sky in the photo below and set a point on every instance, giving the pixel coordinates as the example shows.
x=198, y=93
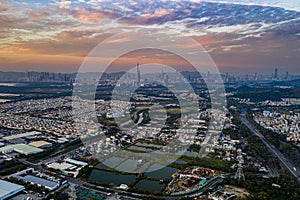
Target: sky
x=241, y=36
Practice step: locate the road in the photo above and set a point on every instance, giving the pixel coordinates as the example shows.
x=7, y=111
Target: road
x=285, y=161
x=208, y=186
x=194, y=194
x=132, y=195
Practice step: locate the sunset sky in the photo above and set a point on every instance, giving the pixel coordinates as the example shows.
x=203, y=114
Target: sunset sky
x=242, y=36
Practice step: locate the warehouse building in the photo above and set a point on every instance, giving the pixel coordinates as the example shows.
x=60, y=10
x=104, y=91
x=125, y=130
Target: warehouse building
x=22, y=135
x=62, y=166
x=8, y=189
x=21, y=149
x=41, y=182
x=41, y=144
x=28, y=176
x=75, y=162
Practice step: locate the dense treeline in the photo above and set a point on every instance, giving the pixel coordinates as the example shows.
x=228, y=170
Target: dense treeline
x=10, y=167
x=256, y=147
x=262, y=189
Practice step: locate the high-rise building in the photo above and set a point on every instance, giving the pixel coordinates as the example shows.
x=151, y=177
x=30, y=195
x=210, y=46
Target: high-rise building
x=163, y=77
x=276, y=73
x=138, y=74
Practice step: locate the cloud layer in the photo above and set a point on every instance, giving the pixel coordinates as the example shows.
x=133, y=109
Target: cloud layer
x=38, y=36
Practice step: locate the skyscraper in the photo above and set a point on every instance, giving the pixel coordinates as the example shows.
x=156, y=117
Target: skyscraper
x=276, y=73
x=162, y=75
x=138, y=74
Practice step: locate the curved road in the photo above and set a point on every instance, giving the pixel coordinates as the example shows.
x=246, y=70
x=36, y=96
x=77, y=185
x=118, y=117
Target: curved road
x=194, y=194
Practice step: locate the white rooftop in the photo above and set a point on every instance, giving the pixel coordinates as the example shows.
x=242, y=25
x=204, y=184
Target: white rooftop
x=16, y=136
x=20, y=148
x=60, y=166
x=8, y=189
x=75, y=162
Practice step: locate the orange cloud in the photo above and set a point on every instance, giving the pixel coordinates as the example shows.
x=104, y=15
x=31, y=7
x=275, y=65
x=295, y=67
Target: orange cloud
x=87, y=15
x=64, y=4
x=157, y=13
x=95, y=17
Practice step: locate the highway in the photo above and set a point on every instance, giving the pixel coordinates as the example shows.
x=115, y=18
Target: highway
x=284, y=161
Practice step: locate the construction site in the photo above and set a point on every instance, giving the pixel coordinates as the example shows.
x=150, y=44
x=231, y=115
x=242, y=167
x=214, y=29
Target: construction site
x=190, y=179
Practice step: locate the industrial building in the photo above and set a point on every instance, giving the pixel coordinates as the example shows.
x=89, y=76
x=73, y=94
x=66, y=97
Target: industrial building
x=41, y=144
x=63, y=166
x=21, y=149
x=75, y=162
x=8, y=189
x=69, y=166
x=41, y=182
x=22, y=135
x=29, y=176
